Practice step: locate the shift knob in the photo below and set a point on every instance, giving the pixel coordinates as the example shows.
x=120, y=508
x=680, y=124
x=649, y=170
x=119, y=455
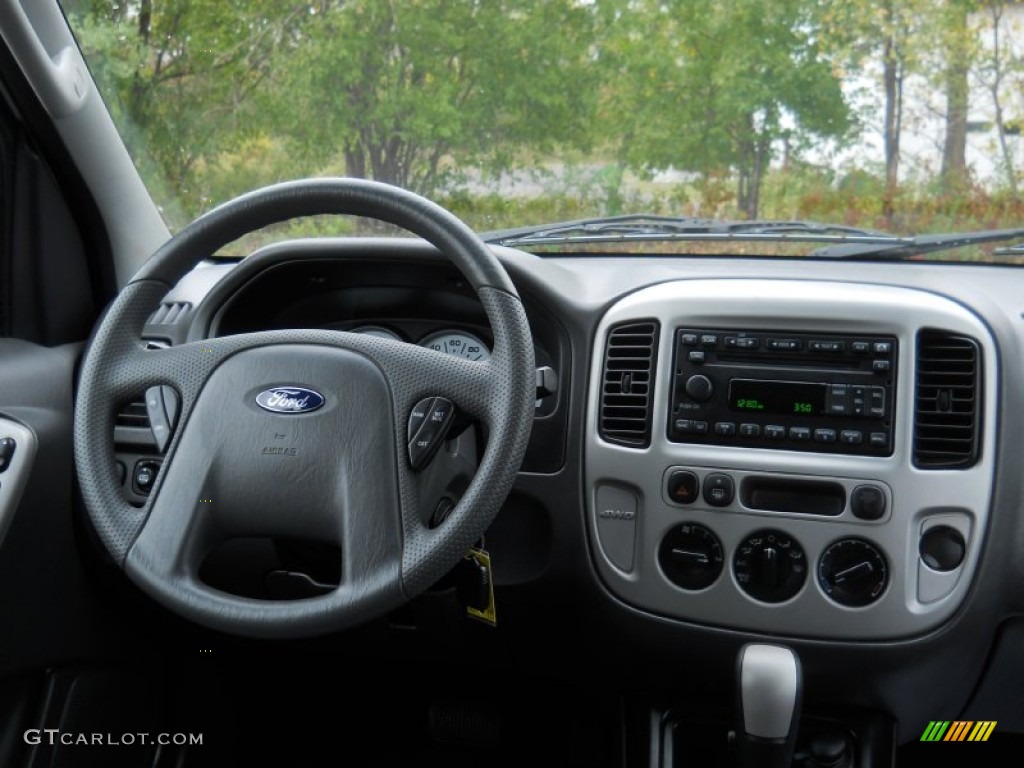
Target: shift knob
x=769, y=692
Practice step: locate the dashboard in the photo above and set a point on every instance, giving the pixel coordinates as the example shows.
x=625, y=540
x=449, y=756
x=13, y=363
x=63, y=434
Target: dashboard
x=723, y=450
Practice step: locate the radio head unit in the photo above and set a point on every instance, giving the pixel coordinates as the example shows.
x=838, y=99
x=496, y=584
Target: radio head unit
x=826, y=393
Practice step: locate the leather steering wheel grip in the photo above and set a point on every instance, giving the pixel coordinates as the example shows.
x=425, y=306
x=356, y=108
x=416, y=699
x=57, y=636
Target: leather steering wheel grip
x=153, y=545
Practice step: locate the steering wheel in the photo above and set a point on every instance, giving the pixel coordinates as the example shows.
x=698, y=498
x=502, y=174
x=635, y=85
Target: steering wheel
x=340, y=472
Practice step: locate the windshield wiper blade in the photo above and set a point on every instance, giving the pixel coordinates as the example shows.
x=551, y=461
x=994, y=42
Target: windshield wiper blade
x=922, y=244
x=651, y=227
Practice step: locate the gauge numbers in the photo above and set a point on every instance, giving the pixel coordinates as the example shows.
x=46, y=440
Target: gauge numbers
x=458, y=343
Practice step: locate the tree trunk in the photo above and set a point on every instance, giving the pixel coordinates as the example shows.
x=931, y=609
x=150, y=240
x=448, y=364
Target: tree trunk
x=954, y=152
x=995, y=87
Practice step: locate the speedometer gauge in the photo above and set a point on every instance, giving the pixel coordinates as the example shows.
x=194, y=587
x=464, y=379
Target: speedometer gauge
x=458, y=343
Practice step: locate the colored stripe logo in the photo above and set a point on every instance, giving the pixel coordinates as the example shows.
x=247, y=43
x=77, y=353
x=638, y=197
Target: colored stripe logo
x=958, y=730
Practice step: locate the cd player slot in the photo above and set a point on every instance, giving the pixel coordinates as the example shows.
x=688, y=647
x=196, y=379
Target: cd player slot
x=802, y=497
x=803, y=363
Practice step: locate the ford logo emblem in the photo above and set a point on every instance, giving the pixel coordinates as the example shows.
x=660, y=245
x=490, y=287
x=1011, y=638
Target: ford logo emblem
x=289, y=400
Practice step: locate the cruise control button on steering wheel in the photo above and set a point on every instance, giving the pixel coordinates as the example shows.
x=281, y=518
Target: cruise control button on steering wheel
x=428, y=425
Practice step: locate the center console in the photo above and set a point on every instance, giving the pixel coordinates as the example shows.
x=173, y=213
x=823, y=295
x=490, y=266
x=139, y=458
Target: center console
x=803, y=458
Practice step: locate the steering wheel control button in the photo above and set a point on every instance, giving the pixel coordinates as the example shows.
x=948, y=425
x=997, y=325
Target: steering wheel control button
x=7, y=446
x=770, y=566
x=719, y=489
x=144, y=476
x=942, y=548
x=691, y=557
x=418, y=415
x=616, y=524
x=853, y=572
x=158, y=421
x=433, y=415
x=683, y=486
x=867, y=502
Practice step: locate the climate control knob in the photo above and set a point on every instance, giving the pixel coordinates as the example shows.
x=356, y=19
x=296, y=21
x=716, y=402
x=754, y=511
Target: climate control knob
x=691, y=556
x=853, y=572
x=699, y=388
x=770, y=566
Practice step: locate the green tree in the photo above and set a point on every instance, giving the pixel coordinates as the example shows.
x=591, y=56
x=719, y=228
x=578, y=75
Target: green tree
x=182, y=73
x=399, y=88
x=705, y=89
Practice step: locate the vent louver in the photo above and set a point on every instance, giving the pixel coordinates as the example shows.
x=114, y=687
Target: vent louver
x=170, y=313
x=947, y=401
x=627, y=383
x=132, y=415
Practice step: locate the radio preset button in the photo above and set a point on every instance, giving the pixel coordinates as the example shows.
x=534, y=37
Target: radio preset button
x=851, y=437
x=689, y=339
x=799, y=434
x=699, y=388
x=726, y=428
x=750, y=430
x=719, y=489
x=696, y=357
x=775, y=432
x=824, y=435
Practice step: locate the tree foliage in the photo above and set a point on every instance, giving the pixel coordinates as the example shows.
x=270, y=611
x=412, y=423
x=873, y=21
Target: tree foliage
x=217, y=96
x=710, y=89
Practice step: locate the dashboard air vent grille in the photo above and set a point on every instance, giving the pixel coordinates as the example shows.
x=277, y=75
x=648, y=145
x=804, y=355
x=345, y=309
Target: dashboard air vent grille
x=627, y=384
x=132, y=415
x=947, y=401
x=170, y=313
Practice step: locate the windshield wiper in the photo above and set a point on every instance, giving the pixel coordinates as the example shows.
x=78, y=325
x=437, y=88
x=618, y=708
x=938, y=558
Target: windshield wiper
x=648, y=228
x=922, y=244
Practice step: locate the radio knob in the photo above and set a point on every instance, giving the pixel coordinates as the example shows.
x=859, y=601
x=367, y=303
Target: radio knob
x=699, y=388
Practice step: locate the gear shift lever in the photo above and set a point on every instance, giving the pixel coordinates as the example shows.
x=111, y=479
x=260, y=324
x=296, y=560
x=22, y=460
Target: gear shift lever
x=769, y=689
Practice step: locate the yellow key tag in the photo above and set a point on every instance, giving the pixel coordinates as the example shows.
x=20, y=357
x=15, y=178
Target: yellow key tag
x=488, y=615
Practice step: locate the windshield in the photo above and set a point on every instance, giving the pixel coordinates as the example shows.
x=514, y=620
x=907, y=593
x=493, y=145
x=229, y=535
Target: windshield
x=883, y=117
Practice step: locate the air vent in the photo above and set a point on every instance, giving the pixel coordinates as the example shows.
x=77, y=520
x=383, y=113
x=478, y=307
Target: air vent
x=627, y=384
x=170, y=313
x=132, y=415
x=947, y=401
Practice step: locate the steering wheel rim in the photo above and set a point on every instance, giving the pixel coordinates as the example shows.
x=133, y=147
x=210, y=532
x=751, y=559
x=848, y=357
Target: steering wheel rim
x=211, y=484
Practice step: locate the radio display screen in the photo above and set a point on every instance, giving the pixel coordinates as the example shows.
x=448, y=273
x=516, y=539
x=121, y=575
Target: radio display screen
x=783, y=397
